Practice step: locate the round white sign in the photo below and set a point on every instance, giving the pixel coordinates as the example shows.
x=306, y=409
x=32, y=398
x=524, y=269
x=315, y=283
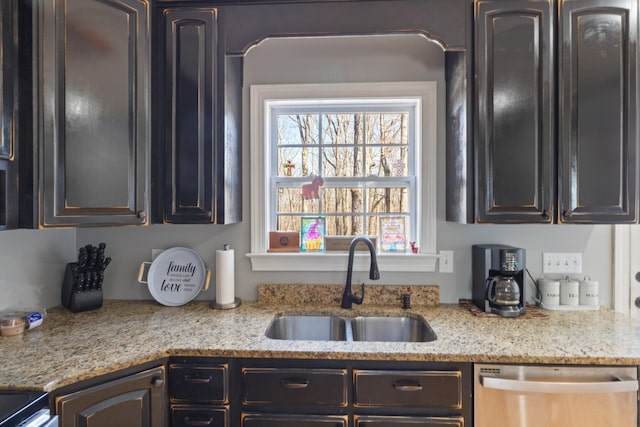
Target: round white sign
x=176, y=276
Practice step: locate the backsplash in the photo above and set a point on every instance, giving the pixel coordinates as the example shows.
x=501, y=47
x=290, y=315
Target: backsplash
x=303, y=294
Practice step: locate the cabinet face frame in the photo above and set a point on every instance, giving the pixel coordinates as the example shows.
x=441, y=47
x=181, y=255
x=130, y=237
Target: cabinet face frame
x=598, y=183
x=514, y=132
x=55, y=128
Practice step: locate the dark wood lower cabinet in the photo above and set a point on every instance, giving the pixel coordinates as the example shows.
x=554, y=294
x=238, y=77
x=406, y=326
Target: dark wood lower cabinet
x=189, y=416
x=262, y=420
x=137, y=400
x=374, y=421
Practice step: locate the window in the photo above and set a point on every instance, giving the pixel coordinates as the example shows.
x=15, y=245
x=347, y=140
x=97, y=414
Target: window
x=356, y=156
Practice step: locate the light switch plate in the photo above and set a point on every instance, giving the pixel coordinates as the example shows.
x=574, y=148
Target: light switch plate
x=445, y=261
x=562, y=262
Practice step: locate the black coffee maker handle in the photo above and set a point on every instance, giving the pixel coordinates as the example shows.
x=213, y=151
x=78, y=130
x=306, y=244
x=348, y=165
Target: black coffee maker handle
x=491, y=294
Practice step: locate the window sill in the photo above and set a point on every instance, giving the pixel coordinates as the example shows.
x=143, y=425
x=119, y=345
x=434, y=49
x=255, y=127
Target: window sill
x=338, y=262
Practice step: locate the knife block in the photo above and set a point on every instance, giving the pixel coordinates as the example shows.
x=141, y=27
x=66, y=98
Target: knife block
x=78, y=300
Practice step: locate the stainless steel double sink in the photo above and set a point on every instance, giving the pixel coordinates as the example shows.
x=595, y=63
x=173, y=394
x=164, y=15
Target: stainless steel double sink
x=360, y=328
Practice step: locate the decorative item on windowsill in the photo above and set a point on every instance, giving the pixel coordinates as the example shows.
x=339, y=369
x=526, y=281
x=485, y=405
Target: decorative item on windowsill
x=414, y=248
x=312, y=234
x=311, y=191
x=288, y=167
x=82, y=284
x=392, y=234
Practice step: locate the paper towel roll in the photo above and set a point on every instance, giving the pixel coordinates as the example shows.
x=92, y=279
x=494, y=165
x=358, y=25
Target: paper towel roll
x=225, y=276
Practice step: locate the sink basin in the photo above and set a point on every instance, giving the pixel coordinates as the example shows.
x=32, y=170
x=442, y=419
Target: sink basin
x=395, y=329
x=361, y=328
x=313, y=328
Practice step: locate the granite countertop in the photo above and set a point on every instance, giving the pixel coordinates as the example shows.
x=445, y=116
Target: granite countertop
x=71, y=347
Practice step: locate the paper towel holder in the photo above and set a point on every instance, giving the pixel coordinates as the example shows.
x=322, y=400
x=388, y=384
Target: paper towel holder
x=236, y=302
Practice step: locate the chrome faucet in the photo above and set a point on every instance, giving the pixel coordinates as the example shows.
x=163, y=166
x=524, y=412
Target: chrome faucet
x=348, y=297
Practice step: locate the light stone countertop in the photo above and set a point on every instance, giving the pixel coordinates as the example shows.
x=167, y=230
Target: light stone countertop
x=71, y=347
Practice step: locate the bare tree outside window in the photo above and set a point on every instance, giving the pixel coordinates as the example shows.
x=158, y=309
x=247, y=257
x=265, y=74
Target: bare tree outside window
x=363, y=158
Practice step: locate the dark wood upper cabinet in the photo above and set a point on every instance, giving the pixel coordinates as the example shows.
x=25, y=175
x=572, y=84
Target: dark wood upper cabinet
x=598, y=99
x=188, y=125
x=93, y=115
x=198, y=153
x=554, y=141
x=8, y=81
x=515, y=114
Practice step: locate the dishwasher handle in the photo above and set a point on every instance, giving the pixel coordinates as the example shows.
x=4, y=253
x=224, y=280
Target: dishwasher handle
x=583, y=386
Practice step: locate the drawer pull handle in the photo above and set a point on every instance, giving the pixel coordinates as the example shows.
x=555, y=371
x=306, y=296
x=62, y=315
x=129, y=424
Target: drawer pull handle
x=294, y=383
x=190, y=380
x=407, y=386
x=191, y=422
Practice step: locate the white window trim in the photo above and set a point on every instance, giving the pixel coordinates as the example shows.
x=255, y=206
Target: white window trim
x=260, y=96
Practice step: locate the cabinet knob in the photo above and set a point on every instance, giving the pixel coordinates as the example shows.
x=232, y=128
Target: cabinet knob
x=141, y=215
x=157, y=382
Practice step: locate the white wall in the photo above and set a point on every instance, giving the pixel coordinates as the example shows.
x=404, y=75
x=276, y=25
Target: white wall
x=324, y=60
x=32, y=264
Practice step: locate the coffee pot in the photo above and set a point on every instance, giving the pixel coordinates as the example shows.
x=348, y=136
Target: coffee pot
x=498, y=279
x=503, y=291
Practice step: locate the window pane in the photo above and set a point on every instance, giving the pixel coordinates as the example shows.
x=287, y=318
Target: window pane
x=387, y=161
x=342, y=161
x=388, y=200
x=289, y=200
x=342, y=128
x=342, y=200
x=288, y=223
x=387, y=128
x=344, y=225
x=304, y=161
x=300, y=129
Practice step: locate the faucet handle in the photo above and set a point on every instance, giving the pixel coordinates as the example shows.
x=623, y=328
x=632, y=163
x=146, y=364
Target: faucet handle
x=358, y=300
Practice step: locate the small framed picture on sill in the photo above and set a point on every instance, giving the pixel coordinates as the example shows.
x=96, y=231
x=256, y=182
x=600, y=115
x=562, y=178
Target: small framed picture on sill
x=312, y=230
x=392, y=234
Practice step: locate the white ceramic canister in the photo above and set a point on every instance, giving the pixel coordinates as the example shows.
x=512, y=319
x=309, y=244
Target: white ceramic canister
x=589, y=290
x=569, y=292
x=549, y=292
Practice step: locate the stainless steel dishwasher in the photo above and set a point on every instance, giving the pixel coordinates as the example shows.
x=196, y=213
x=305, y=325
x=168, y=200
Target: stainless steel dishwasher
x=555, y=396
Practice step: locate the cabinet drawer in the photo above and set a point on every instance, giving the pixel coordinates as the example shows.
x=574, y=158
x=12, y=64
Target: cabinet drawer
x=202, y=417
x=199, y=384
x=419, y=389
x=373, y=421
x=317, y=387
x=263, y=420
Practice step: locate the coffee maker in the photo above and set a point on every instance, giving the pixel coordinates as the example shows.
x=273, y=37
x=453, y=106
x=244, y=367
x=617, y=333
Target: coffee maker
x=498, y=275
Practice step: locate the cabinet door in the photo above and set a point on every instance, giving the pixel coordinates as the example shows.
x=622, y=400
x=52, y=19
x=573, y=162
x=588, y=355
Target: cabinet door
x=7, y=78
x=92, y=59
x=134, y=401
x=380, y=421
x=274, y=420
x=598, y=121
x=295, y=387
x=189, y=122
x=515, y=114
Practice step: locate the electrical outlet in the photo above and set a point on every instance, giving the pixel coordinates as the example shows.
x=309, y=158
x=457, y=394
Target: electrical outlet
x=445, y=261
x=562, y=262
